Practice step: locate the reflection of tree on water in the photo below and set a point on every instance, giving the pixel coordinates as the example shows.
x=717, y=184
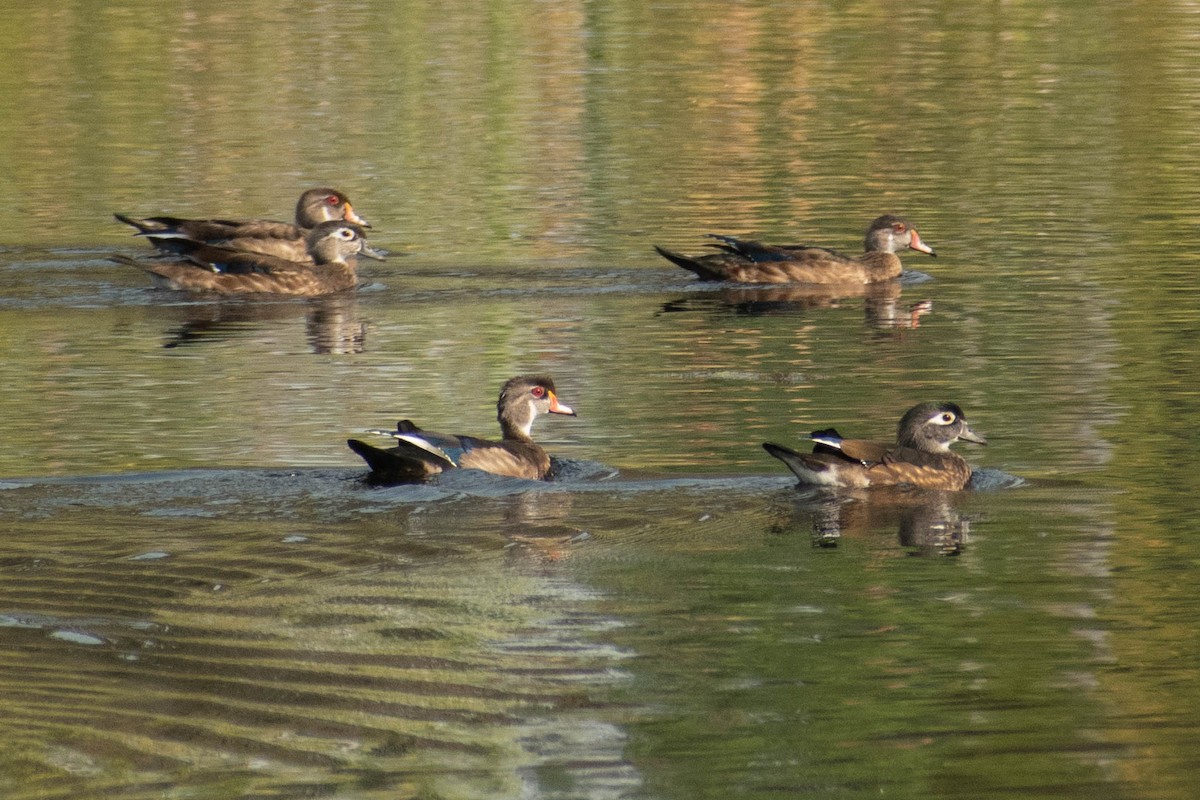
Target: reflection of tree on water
x=925, y=520
x=882, y=308
x=331, y=323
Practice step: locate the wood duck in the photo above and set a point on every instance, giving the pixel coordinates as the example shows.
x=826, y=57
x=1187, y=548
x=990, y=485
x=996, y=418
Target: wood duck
x=280, y=239
x=920, y=457
x=420, y=454
x=207, y=268
x=744, y=261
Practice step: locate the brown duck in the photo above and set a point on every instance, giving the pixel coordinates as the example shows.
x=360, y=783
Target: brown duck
x=920, y=457
x=280, y=239
x=744, y=261
x=207, y=268
x=420, y=454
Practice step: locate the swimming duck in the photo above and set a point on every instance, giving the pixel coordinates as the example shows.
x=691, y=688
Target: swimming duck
x=280, y=239
x=420, y=454
x=744, y=261
x=920, y=457
x=207, y=268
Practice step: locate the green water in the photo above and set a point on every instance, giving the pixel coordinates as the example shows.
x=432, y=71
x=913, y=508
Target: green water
x=199, y=598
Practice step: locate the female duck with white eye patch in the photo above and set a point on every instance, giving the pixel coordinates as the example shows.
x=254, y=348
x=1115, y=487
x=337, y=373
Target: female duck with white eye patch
x=921, y=456
x=333, y=246
x=268, y=237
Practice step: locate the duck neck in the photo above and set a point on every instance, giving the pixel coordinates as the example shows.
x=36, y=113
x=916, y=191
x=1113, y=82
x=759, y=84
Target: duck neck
x=927, y=445
x=515, y=425
x=322, y=255
x=337, y=276
x=882, y=265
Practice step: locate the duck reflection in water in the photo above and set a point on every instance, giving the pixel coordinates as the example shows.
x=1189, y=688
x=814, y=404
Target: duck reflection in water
x=536, y=526
x=533, y=524
x=927, y=522
x=331, y=323
x=882, y=306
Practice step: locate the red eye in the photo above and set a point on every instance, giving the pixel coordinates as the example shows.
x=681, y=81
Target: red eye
x=898, y=227
x=539, y=392
x=333, y=200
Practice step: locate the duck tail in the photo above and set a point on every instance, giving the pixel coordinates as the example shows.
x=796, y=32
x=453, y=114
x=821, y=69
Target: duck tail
x=394, y=465
x=130, y=221
x=146, y=227
x=703, y=271
x=807, y=469
x=384, y=464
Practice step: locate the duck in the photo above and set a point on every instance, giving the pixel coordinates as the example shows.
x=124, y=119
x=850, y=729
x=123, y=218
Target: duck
x=280, y=239
x=220, y=270
x=745, y=261
x=920, y=457
x=420, y=454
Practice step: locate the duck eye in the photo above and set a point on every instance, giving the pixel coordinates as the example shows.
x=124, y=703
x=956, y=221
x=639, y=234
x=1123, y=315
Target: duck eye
x=333, y=200
x=538, y=391
x=947, y=418
x=898, y=227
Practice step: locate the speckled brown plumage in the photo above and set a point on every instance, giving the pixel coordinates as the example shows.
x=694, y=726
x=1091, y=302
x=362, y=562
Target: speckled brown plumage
x=920, y=457
x=745, y=261
x=206, y=268
x=280, y=239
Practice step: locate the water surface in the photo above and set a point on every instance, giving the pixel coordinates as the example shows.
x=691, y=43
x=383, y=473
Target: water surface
x=201, y=597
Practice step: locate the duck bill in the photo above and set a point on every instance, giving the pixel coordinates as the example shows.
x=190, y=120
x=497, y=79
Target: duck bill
x=969, y=435
x=560, y=408
x=917, y=244
x=352, y=216
x=371, y=252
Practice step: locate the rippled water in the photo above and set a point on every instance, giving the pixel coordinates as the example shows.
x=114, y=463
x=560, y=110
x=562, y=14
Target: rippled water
x=202, y=598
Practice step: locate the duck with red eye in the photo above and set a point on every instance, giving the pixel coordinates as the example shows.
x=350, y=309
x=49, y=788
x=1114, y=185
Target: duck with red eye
x=745, y=261
x=920, y=457
x=333, y=247
x=280, y=239
x=420, y=454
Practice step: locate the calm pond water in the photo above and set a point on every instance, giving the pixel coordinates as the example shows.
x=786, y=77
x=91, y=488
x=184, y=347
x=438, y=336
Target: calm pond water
x=202, y=599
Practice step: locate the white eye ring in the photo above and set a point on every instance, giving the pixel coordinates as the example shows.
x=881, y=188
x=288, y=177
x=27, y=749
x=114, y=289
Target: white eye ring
x=945, y=418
